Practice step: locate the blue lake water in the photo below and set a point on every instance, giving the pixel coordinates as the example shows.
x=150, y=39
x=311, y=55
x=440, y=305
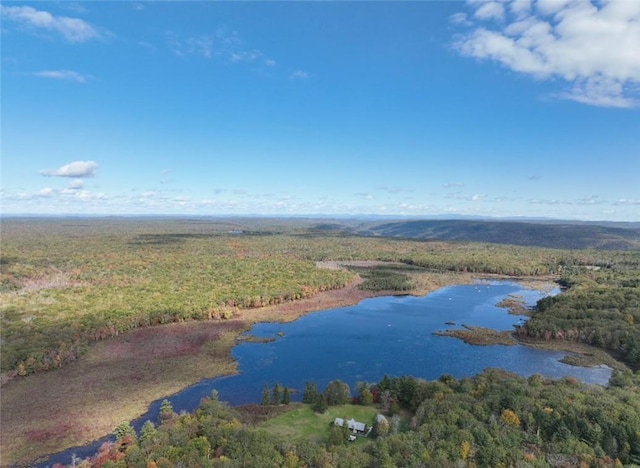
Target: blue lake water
x=385, y=335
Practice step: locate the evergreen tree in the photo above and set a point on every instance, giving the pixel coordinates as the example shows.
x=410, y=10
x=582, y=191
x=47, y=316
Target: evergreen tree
x=148, y=434
x=265, y=396
x=385, y=383
x=320, y=405
x=286, y=396
x=166, y=411
x=275, y=400
x=122, y=430
x=310, y=394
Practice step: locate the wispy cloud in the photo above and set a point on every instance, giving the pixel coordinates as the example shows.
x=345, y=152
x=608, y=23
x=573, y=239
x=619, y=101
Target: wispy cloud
x=627, y=202
x=194, y=45
x=56, y=197
x=245, y=55
x=453, y=185
x=66, y=75
x=592, y=46
x=76, y=169
x=299, y=75
x=72, y=29
x=223, y=44
x=460, y=19
x=76, y=184
x=393, y=190
x=590, y=200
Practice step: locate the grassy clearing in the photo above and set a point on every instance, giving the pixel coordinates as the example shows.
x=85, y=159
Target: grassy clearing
x=303, y=423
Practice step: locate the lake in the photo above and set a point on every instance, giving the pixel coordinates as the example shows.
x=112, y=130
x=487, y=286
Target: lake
x=387, y=335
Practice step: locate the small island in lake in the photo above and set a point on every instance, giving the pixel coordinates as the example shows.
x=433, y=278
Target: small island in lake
x=479, y=336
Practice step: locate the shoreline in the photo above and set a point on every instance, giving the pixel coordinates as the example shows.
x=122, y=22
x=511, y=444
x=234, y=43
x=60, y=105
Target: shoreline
x=117, y=379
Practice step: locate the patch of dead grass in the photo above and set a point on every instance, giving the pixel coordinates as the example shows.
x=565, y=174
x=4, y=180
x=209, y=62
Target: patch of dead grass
x=54, y=280
x=117, y=379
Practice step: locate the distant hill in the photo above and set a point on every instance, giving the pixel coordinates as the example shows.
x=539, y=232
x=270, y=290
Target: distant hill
x=539, y=234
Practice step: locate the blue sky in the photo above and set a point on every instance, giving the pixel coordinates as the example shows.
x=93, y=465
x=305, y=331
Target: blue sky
x=515, y=108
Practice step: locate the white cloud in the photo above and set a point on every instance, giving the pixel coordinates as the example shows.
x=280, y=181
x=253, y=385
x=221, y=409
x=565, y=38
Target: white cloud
x=460, y=18
x=62, y=75
x=72, y=29
x=520, y=8
x=76, y=184
x=490, y=10
x=549, y=7
x=75, y=169
x=299, y=75
x=45, y=192
x=593, y=47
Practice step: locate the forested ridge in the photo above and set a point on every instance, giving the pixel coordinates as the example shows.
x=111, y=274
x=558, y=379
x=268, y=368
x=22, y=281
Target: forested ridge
x=558, y=235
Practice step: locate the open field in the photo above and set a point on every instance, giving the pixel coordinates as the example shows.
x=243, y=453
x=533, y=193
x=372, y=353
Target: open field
x=303, y=423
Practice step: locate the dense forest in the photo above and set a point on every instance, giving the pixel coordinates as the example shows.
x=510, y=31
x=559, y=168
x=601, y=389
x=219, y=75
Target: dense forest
x=68, y=284
x=601, y=307
x=65, y=285
x=493, y=419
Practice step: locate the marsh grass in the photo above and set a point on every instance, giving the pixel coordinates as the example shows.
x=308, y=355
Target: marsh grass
x=114, y=382
x=480, y=336
x=581, y=354
x=515, y=304
x=118, y=378
x=121, y=312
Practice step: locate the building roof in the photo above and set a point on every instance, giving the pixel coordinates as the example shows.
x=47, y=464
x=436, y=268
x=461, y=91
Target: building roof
x=352, y=424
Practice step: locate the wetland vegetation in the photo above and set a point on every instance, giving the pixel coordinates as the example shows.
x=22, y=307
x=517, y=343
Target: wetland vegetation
x=87, y=299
